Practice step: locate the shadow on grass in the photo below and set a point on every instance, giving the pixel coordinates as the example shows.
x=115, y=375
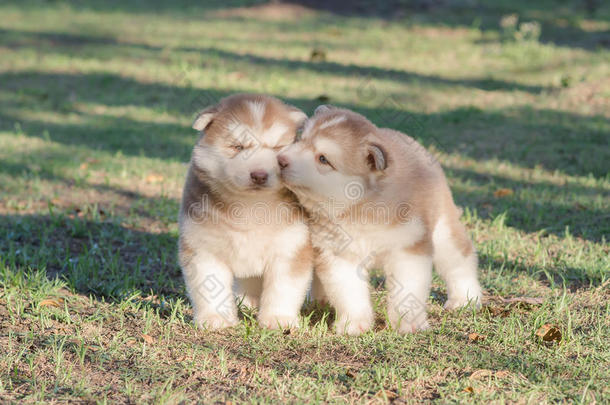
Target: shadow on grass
x=525, y=136
x=98, y=257
x=551, y=213
x=179, y=8
x=72, y=44
x=551, y=140
x=561, y=21
x=104, y=257
x=557, y=275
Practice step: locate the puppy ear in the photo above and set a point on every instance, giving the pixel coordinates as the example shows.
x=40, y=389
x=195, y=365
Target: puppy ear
x=376, y=157
x=322, y=108
x=204, y=118
x=296, y=115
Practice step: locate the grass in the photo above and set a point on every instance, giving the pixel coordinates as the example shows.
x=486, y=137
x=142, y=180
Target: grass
x=96, y=100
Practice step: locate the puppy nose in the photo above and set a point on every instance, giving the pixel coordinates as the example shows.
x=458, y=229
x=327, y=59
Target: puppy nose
x=282, y=161
x=259, y=177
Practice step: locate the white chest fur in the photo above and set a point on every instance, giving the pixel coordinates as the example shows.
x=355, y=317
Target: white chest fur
x=248, y=251
x=364, y=241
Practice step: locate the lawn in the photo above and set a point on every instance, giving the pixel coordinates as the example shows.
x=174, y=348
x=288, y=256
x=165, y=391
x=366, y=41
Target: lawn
x=96, y=102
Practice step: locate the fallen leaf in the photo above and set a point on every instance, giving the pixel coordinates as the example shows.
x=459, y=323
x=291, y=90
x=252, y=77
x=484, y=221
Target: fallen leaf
x=475, y=337
x=130, y=342
x=243, y=371
x=148, y=339
x=317, y=55
x=503, y=192
x=497, y=311
x=390, y=395
x=350, y=374
x=334, y=31
x=525, y=300
x=236, y=75
x=154, y=178
x=580, y=207
x=469, y=390
x=549, y=333
x=484, y=373
x=51, y=302
x=477, y=375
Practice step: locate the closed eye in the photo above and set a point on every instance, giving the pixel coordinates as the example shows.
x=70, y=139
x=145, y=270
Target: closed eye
x=299, y=133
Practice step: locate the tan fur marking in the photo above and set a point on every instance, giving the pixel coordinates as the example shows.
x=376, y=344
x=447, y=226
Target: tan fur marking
x=460, y=237
x=302, y=261
x=421, y=248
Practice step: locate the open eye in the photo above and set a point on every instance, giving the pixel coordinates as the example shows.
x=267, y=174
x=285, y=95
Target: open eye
x=237, y=147
x=322, y=159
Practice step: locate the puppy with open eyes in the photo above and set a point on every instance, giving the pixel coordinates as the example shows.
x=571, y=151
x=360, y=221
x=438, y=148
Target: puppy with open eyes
x=239, y=226
x=386, y=194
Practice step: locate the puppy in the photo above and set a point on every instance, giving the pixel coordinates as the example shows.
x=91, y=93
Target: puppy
x=377, y=198
x=237, y=221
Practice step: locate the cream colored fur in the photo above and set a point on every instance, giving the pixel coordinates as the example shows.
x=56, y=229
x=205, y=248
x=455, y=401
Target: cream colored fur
x=377, y=198
x=239, y=236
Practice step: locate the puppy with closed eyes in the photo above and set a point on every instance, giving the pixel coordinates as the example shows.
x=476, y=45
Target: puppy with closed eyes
x=240, y=228
x=377, y=199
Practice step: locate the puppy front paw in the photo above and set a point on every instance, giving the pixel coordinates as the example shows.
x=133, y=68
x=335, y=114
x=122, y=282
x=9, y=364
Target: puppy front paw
x=404, y=326
x=468, y=295
x=214, y=321
x=353, y=326
x=272, y=321
x=456, y=302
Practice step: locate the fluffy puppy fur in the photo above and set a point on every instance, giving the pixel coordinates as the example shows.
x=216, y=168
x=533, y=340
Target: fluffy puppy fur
x=378, y=199
x=241, y=231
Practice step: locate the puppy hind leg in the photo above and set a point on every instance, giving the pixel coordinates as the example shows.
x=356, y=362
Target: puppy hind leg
x=456, y=261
